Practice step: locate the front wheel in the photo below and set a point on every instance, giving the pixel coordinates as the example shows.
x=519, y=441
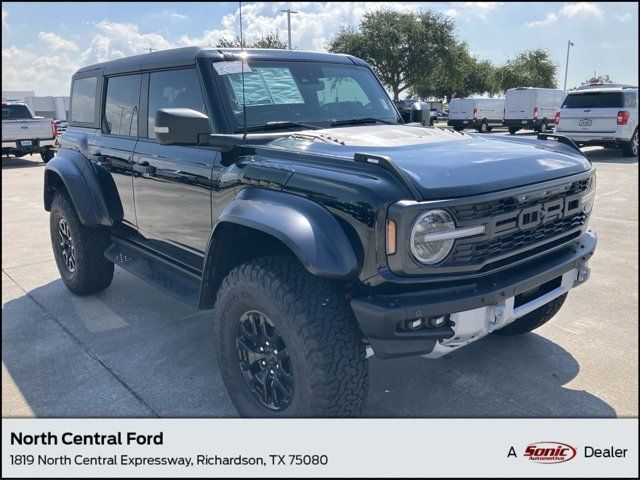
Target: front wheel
x=288, y=344
x=630, y=149
x=78, y=250
x=534, y=319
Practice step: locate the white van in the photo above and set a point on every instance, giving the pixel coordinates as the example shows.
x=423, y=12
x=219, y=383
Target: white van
x=603, y=116
x=533, y=108
x=480, y=113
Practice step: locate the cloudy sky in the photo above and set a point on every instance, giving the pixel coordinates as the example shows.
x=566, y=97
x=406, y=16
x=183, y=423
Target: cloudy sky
x=44, y=43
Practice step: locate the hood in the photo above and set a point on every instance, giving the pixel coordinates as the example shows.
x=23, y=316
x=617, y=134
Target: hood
x=446, y=164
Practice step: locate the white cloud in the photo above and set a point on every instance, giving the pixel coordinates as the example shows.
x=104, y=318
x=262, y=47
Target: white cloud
x=550, y=19
x=115, y=40
x=471, y=10
x=581, y=9
x=625, y=17
x=56, y=42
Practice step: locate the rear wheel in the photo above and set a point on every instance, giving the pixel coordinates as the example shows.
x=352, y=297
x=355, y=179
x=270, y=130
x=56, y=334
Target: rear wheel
x=458, y=129
x=484, y=127
x=78, y=250
x=543, y=127
x=47, y=155
x=630, y=149
x=288, y=343
x=513, y=130
x=534, y=319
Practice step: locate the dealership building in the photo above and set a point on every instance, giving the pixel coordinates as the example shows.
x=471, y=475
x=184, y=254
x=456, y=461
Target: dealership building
x=48, y=107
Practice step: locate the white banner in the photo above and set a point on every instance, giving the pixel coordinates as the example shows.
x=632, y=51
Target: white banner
x=320, y=448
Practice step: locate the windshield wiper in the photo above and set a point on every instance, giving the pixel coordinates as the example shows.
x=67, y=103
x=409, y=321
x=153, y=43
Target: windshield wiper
x=357, y=121
x=277, y=126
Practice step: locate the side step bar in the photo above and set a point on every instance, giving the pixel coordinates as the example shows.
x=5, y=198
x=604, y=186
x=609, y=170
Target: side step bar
x=168, y=277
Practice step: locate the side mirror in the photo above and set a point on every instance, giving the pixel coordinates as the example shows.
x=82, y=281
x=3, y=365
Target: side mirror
x=180, y=126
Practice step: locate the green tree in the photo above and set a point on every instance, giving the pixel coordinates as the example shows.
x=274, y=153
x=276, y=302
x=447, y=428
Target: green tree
x=601, y=78
x=270, y=40
x=402, y=48
x=531, y=68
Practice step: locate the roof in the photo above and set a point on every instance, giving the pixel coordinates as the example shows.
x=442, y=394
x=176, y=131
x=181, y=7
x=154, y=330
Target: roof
x=186, y=56
x=586, y=91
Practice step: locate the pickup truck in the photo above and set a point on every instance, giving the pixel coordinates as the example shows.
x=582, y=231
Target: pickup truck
x=24, y=133
x=281, y=190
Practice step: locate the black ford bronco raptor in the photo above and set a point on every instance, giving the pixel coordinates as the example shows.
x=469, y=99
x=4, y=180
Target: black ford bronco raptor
x=282, y=190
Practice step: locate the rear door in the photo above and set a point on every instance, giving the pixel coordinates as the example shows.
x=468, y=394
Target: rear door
x=461, y=109
x=172, y=184
x=589, y=111
x=519, y=104
x=113, y=145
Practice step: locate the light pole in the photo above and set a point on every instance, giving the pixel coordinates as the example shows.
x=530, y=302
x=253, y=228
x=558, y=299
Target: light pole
x=289, y=12
x=566, y=68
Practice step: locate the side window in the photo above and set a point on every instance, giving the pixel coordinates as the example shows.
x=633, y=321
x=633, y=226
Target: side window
x=630, y=99
x=83, y=100
x=173, y=89
x=121, y=106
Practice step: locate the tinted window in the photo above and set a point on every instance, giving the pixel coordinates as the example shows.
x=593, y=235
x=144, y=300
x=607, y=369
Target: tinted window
x=83, y=100
x=173, y=89
x=631, y=99
x=593, y=100
x=15, y=112
x=121, y=106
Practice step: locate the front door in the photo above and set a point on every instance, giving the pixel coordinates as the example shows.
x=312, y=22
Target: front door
x=172, y=184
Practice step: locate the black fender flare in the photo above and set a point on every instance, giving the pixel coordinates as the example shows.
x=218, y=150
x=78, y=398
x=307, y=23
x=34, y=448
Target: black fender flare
x=306, y=228
x=92, y=190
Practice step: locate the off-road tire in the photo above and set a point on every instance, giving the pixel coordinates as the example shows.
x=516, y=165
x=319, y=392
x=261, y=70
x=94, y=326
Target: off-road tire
x=47, y=155
x=630, y=149
x=92, y=272
x=513, y=130
x=534, y=319
x=318, y=327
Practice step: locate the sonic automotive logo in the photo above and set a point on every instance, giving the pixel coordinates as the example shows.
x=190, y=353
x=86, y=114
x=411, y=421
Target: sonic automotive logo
x=550, y=452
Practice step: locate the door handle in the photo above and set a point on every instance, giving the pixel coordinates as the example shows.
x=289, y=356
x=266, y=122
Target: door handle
x=144, y=169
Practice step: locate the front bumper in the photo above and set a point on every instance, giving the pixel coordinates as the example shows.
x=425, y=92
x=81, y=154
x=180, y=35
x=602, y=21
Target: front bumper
x=475, y=308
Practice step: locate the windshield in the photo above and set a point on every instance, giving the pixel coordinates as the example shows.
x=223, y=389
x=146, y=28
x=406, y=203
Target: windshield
x=593, y=100
x=302, y=92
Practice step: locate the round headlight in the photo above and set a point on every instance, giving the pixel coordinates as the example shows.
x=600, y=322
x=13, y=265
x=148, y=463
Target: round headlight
x=432, y=221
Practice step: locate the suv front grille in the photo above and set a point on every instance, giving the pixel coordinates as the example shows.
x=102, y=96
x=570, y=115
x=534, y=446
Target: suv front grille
x=474, y=253
x=503, y=205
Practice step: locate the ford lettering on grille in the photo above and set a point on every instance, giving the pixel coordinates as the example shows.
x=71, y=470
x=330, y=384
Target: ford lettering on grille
x=532, y=216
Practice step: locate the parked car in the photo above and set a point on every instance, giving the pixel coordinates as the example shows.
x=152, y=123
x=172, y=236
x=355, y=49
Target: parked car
x=480, y=113
x=603, y=116
x=23, y=133
x=532, y=108
x=443, y=115
x=278, y=189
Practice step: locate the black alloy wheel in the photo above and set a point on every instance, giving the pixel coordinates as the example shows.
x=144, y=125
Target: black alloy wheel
x=66, y=245
x=264, y=361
